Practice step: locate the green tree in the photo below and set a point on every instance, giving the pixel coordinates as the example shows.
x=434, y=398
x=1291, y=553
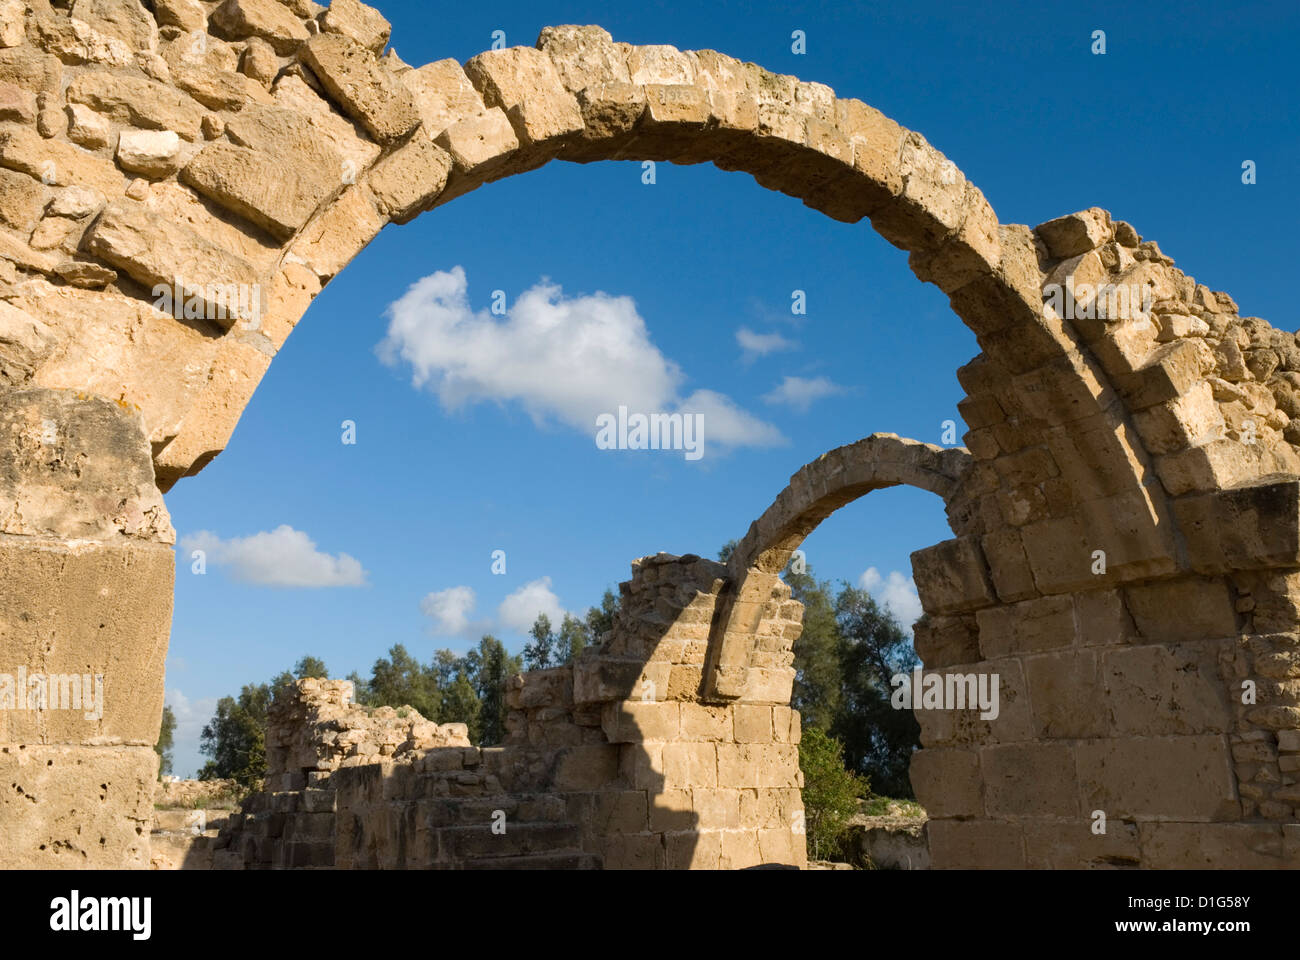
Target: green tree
x=461, y=704
x=819, y=673
x=572, y=639
x=830, y=793
x=495, y=667
x=878, y=739
x=310, y=666
x=166, y=739
x=600, y=620
x=537, y=654
x=235, y=738
x=400, y=680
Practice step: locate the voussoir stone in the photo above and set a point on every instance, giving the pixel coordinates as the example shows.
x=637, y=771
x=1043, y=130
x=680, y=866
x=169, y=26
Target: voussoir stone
x=365, y=90
x=524, y=83
x=266, y=190
x=366, y=25
x=156, y=250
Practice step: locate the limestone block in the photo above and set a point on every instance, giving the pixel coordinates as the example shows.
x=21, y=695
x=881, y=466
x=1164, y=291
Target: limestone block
x=50, y=825
x=1073, y=846
x=948, y=782
x=1029, y=780
x=659, y=63
x=1028, y=627
x=189, y=15
x=524, y=83
x=151, y=153
x=930, y=205
x=1214, y=846
x=704, y=722
x=57, y=163
x=142, y=103
x=1077, y=233
x=443, y=95
x=632, y=721
x=268, y=19
x=976, y=844
x=366, y=25
x=480, y=146
x=1205, y=609
x=583, y=56
x=1009, y=565
x=17, y=104
x=77, y=467
x=93, y=663
x=22, y=199
x=157, y=251
x=407, y=181
x=1161, y=689
x=125, y=20
x=696, y=765
x=364, y=89
x=87, y=128
x=1190, y=420
x=338, y=234
x=1067, y=694
x=1243, y=528
x=943, y=641
x=24, y=343
x=261, y=188
x=206, y=429
x=1159, y=778
x=951, y=577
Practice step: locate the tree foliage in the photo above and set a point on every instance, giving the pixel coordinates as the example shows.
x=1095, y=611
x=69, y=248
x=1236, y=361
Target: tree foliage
x=166, y=740
x=830, y=793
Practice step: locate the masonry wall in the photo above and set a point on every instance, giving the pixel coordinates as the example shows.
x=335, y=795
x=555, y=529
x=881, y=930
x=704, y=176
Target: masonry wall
x=613, y=762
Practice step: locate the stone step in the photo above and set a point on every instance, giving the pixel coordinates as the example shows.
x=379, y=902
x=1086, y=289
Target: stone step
x=520, y=839
x=541, y=861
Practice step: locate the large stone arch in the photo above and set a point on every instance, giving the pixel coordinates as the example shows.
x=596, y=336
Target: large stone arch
x=817, y=490
x=258, y=145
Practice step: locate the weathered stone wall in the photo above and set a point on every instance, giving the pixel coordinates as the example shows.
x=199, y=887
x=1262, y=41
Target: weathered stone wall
x=612, y=762
x=241, y=152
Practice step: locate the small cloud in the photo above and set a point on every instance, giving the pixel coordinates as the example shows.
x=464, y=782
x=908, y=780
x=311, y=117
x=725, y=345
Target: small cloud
x=896, y=592
x=754, y=345
x=449, y=609
x=561, y=358
x=800, y=392
x=191, y=716
x=518, y=611
x=283, y=557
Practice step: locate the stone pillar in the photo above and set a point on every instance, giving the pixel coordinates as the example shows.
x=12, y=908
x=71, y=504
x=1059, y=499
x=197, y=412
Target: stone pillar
x=85, y=613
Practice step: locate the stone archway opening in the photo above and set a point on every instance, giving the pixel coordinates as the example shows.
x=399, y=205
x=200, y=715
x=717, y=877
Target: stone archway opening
x=265, y=157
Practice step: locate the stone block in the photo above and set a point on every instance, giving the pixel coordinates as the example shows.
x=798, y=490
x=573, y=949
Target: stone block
x=952, y=577
x=1159, y=778
x=1030, y=780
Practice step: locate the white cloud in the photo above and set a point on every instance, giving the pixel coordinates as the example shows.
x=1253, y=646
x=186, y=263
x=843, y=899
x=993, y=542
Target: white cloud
x=897, y=592
x=564, y=358
x=518, y=611
x=800, y=392
x=449, y=609
x=191, y=716
x=754, y=345
x=283, y=557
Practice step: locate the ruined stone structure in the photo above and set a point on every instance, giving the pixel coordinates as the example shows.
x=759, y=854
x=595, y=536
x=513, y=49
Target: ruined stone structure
x=1126, y=550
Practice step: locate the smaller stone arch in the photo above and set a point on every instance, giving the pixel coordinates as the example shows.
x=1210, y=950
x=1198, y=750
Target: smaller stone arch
x=816, y=491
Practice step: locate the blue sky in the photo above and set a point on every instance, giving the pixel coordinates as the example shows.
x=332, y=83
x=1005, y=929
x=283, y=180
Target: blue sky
x=1155, y=130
